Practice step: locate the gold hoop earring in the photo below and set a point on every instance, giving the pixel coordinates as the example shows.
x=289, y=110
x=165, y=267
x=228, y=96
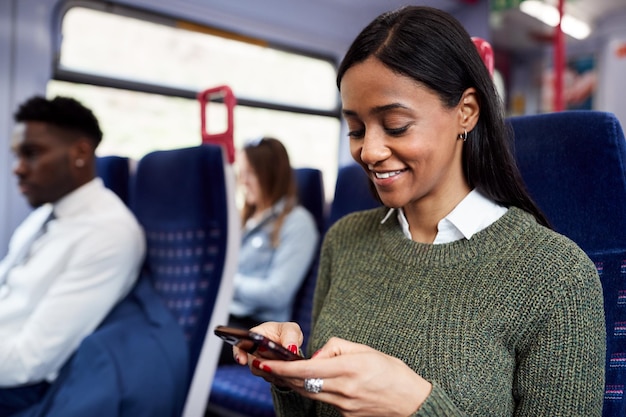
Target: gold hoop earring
x=463, y=135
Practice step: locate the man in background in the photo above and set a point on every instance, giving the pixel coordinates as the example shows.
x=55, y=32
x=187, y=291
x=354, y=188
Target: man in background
x=72, y=259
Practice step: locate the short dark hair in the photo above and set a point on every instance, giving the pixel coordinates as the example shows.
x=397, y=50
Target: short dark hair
x=62, y=112
x=432, y=47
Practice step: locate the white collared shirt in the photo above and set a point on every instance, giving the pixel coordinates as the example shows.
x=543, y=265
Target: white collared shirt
x=86, y=261
x=473, y=214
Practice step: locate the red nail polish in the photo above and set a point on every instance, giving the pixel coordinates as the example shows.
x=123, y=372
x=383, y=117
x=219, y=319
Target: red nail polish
x=316, y=353
x=293, y=349
x=263, y=367
x=236, y=357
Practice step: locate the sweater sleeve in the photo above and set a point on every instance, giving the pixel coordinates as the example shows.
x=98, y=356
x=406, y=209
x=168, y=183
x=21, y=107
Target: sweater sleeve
x=289, y=404
x=560, y=369
x=438, y=404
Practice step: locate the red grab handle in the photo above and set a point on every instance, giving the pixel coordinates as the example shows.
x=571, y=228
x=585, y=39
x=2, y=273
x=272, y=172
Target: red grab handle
x=225, y=138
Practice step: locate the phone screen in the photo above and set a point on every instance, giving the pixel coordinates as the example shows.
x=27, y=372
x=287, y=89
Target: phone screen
x=255, y=343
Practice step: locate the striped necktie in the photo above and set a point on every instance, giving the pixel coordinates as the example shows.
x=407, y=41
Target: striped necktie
x=21, y=253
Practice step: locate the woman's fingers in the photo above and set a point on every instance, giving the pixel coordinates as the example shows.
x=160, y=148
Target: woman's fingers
x=287, y=334
x=337, y=347
x=356, y=379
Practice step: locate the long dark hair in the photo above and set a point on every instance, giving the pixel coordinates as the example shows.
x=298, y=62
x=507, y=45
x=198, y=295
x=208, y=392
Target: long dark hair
x=269, y=160
x=432, y=47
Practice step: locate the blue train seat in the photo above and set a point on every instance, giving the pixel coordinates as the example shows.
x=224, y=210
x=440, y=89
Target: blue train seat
x=235, y=389
x=311, y=194
x=309, y=182
x=184, y=199
x=352, y=193
x=135, y=363
x=574, y=165
x=115, y=173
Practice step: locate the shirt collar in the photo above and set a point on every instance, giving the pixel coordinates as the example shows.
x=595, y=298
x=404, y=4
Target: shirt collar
x=75, y=201
x=474, y=213
x=271, y=211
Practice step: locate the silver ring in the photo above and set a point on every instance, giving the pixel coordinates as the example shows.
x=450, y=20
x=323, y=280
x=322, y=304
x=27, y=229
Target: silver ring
x=313, y=385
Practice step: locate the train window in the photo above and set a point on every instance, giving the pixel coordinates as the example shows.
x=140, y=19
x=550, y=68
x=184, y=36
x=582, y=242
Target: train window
x=140, y=77
x=124, y=47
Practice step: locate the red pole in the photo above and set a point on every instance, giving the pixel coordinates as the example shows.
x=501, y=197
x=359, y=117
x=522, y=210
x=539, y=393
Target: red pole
x=559, y=61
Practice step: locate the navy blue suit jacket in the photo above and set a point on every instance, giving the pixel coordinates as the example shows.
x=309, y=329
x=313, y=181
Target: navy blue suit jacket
x=135, y=364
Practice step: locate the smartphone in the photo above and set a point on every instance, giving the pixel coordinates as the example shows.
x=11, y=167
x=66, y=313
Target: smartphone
x=255, y=344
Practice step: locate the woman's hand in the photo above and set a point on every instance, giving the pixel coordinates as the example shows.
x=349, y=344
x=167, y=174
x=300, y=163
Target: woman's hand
x=357, y=379
x=287, y=334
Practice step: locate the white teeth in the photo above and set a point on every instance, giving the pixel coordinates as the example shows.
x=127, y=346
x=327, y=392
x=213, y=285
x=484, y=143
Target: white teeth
x=383, y=175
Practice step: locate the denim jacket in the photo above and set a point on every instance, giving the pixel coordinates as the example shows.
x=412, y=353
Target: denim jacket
x=268, y=278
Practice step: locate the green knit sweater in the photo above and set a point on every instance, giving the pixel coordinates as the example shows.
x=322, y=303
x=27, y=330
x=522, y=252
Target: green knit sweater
x=508, y=323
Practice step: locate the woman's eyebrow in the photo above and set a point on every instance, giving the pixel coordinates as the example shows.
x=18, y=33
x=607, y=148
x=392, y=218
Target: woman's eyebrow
x=377, y=109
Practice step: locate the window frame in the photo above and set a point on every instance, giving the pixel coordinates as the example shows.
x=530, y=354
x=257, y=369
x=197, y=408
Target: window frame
x=68, y=75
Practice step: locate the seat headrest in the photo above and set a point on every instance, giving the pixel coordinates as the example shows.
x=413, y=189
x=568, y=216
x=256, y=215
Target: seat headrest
x=574, y=165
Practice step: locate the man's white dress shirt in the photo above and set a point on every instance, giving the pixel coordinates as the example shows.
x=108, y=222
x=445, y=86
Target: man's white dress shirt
x=86, y=261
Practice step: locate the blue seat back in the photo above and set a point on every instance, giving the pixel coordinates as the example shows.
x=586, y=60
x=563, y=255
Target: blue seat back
x=311, y=195
x=352, y=193
x=574, y=165
x=310, y=185
x=115, y=173
x=181, y=197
